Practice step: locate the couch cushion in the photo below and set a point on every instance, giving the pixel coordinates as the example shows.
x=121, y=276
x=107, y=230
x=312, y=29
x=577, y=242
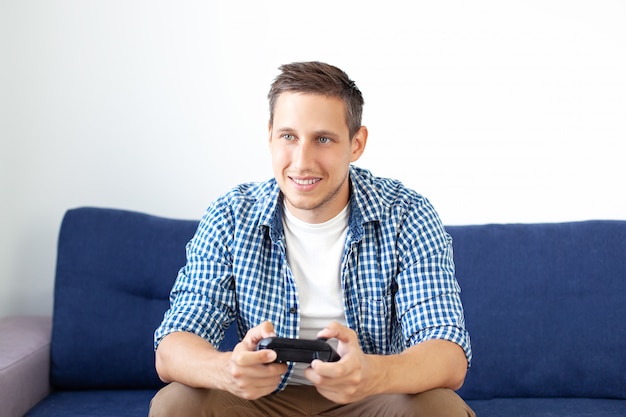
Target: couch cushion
x=114, y=272
x=549, y=407
x=545, y=307
x=136, y=403
x=131, y=403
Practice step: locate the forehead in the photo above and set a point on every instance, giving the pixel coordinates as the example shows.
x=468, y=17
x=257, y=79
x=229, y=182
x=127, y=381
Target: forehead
x=305, y=109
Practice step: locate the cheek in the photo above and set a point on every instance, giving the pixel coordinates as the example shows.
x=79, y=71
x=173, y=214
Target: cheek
x=280, y=158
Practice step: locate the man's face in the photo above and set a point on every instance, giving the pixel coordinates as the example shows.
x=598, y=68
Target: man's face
x=311, y=154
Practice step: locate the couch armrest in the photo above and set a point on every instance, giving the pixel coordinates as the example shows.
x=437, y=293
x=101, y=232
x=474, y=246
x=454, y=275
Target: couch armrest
x=24, y=363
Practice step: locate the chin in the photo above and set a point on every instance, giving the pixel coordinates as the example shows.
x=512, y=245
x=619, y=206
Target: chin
x=303, y=205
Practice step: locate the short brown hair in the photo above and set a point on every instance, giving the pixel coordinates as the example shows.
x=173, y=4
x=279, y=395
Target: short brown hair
x=319, y=78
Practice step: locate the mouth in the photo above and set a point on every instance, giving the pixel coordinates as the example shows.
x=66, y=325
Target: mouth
x=305, y=181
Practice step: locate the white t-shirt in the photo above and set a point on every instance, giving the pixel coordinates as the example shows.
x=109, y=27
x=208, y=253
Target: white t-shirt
x=314, y=254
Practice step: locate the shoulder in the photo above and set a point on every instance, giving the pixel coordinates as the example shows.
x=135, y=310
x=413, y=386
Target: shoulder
x=248, y=203
x=250, y=193
x=376, y=196
x=396, y=209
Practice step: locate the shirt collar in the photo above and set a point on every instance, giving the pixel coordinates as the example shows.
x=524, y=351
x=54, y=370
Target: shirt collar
x=365, y=204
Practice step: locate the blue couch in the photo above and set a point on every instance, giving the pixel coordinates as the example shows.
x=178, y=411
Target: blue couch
x=545, y=305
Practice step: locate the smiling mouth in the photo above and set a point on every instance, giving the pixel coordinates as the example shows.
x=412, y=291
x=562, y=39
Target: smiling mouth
x=301, y=181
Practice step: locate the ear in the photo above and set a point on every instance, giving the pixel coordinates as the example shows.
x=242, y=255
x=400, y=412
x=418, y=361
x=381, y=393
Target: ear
x=269, y=133
x=358, y=143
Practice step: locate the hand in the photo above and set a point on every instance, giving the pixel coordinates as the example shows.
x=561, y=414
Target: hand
x=250, y=374
x=349, y=379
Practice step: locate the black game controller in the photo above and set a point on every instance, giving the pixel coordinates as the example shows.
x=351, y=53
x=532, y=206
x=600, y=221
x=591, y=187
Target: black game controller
x=299, y=350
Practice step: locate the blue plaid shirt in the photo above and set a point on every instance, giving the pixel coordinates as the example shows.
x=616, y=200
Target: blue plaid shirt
x=397, y=270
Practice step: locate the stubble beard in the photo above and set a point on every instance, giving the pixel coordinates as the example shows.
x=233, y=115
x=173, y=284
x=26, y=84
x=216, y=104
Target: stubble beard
x=305, y=205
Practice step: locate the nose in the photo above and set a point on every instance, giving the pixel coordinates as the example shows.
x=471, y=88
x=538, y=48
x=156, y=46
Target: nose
x=303, y=155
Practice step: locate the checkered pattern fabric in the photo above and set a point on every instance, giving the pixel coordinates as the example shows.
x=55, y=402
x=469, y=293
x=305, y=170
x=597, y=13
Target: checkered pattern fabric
x=397, y=273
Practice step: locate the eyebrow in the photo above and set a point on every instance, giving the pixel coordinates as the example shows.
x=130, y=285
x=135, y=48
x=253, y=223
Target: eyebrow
x=318, y=133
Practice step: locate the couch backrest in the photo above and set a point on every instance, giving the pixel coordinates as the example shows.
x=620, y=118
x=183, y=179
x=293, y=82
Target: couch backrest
x=114, y=272
x=545, y=305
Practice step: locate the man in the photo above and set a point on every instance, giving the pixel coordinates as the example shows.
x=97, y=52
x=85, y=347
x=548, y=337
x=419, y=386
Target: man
x=324, y=249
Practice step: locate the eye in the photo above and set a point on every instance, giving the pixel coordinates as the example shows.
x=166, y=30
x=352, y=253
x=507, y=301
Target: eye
x=323, y=139
x=288, y=136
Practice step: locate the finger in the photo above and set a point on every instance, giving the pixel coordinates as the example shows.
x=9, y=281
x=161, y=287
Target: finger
x=326, y=369
x=257, y=380
x=254, y=335
x=267, y=329
x=249, y=358
x=337, y=331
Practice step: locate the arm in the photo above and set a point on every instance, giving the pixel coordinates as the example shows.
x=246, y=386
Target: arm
x=187, y=358
x=427, y=365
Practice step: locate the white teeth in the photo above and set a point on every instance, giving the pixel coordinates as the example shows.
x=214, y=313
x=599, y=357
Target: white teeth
x=304, y=182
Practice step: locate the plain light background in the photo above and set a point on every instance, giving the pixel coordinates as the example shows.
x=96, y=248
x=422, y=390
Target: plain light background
x=497, y=111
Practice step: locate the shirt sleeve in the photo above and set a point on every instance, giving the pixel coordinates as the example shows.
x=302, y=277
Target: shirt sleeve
x=202, y=300
x=428, y=298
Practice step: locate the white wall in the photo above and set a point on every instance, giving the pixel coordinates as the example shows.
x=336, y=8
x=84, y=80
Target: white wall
x=497, y=111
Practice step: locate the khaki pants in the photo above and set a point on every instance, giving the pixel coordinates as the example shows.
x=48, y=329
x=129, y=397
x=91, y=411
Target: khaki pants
x=177, y=400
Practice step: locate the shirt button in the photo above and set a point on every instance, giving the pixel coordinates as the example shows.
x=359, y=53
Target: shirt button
x=293, y=310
